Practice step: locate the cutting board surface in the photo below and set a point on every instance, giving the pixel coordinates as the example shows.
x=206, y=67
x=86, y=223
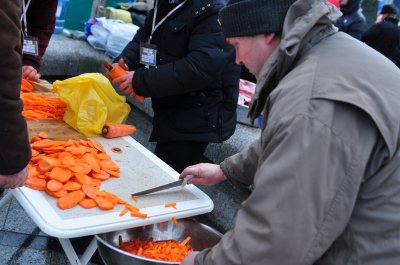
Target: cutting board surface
x=55, y=129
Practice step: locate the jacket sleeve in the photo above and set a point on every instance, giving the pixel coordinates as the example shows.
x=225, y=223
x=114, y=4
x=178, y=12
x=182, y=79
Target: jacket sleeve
x=207, y=56
x=304, y=192
x=15, y=151
x=41, y=19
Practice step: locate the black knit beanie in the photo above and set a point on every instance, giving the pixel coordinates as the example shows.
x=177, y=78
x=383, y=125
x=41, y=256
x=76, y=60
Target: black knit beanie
x=252, y=17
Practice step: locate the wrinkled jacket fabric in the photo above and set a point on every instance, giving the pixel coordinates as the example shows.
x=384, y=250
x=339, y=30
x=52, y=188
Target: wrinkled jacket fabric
x=194, y=89
x=15, y=151
x=326, y=168
x=41, y=19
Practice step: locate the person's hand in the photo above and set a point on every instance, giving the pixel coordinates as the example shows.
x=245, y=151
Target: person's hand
x=15, y=180
x=204, y=173
x=125, y=83
x=189, y=258
x=122, y=64
x=30, y=73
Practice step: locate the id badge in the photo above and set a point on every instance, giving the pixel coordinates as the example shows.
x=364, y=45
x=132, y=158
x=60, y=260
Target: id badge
x=148, y=54
x=31, y=46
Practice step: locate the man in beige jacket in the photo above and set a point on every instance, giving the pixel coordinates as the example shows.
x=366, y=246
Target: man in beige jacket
x=326, y=168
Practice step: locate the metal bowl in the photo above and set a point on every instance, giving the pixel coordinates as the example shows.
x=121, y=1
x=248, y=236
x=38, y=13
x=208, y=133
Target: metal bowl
x=202, y=236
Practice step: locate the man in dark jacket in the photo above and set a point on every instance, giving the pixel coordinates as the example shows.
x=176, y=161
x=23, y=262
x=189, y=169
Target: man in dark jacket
x=192, y=81
x=14, y=145
x=385, y=36
x=353, y=21
x=40, y=22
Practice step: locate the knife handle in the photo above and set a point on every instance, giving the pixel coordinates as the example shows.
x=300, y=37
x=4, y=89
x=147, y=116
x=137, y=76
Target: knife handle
x=186, y=179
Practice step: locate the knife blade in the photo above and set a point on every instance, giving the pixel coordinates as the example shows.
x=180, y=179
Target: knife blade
x=181, y=182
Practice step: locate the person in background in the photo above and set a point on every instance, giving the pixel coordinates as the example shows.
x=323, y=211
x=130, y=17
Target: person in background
x=38, y=25
x=325, y=171
x=385, y=35
x=353, y=21
x=180, y=59
x=15, y=151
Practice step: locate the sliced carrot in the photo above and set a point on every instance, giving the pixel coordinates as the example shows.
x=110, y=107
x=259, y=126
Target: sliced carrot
x=172, y=204
x=175, y=221
x=71, y=199
x=138, y=214
x=46, y=164
x=35, y=139
x=102, y=175
x=57, y=194
x=115, y=174
x=72, y=185
x=54, y=185
x=61, y=174
x=36, y=183
x=83, y=178
x=123, y=212
x=134, y=198
x=184, y=242
x=43, y=135
x=104, y=204
x=34, y=153
x=90, y=191
x=88, y=203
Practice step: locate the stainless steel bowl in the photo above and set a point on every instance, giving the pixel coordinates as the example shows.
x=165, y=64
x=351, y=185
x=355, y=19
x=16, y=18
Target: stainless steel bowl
x=202, y=236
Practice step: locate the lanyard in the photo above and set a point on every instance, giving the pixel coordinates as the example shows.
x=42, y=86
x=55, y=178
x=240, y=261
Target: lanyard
x=23, y=16
x=154, y=26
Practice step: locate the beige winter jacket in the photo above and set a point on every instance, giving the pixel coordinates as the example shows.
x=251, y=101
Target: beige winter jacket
x=326, y=169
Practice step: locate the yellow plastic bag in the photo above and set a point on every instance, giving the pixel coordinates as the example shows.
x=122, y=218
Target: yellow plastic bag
x=92, y=101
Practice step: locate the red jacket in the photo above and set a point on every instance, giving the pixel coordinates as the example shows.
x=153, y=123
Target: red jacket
x=41, y=19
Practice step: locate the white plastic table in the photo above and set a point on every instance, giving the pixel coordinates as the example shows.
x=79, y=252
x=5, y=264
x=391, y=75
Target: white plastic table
x=140, y=169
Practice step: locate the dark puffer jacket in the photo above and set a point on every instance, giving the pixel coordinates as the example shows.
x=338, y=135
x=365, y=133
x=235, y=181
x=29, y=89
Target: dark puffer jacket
x=15, y=151
x=194, y=88
x=353, y=21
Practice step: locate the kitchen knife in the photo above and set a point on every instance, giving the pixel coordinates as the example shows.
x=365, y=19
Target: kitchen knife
x=181, y=182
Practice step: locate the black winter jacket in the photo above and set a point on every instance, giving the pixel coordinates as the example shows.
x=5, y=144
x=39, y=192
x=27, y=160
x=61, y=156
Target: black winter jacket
x=194, y=88
x=384, y=37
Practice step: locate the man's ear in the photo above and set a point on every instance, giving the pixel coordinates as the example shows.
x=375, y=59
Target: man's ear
x=269, y=38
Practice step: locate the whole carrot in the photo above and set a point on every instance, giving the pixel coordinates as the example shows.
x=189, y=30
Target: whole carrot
x=112, y=130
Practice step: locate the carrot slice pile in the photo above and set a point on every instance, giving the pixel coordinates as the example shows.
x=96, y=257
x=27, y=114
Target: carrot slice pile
x=167, y=250
x=73, y=171
x=42, y=107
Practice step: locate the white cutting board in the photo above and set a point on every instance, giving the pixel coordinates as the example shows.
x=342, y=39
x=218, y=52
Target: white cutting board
x=140, y=170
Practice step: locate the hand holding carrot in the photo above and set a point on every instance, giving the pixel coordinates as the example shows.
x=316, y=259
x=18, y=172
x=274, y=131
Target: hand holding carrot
x=15, y=180
x=204, y=173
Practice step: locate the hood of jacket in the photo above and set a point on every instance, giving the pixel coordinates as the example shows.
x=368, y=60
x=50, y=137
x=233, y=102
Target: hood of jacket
x=351, y=7
x=306, y=22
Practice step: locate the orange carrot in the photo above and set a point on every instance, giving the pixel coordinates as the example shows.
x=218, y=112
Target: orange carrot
x=90, y=191
x=54, y=185
x=46, y=164
x=71, y=199
x=72, y=185
x=88, y=203
x=104, y=204
x=57, y=194
x=123, y=212
x=185, y=241
x=172, y=204
x=175, y=221
x=42, y=107
x=61, y=174
x=26, y=86
x=134, y=198
x=112, y=130
x=43, y=135
x=36, y=183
